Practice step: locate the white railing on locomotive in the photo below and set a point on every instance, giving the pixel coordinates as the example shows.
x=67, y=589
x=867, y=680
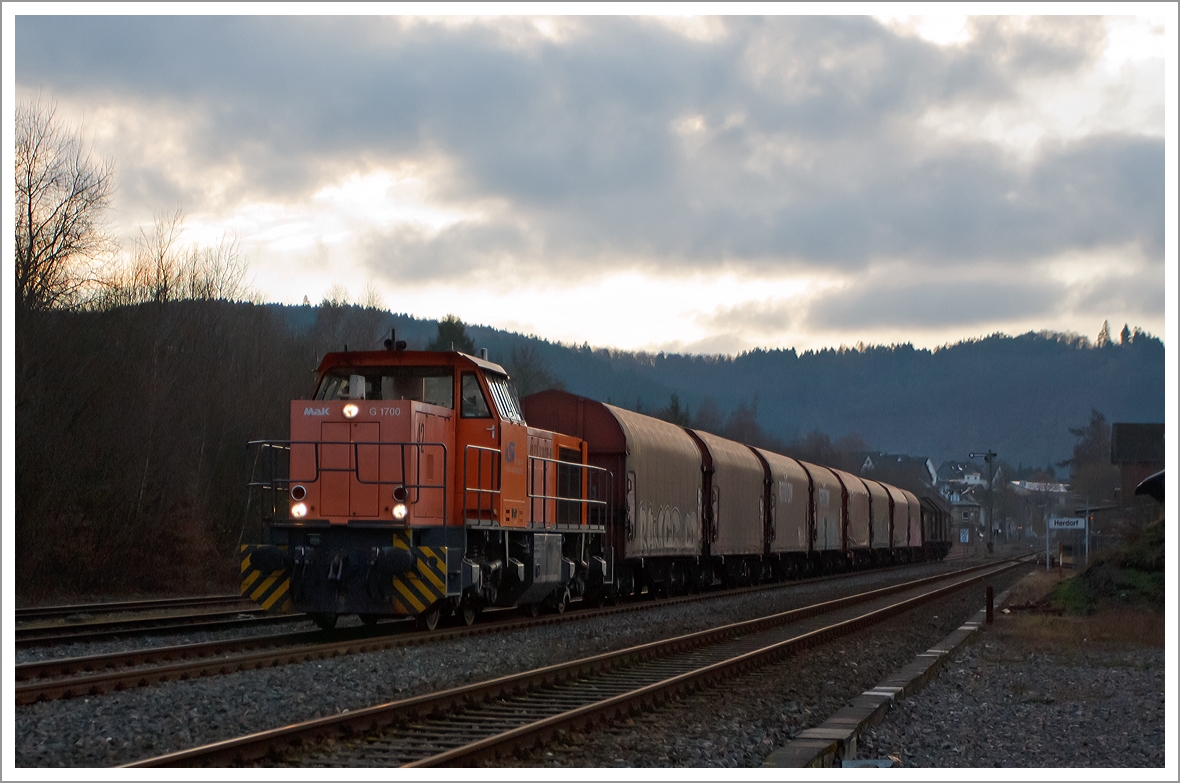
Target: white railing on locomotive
x=479, y=490
x=272, y=485
x=590, y=479
x=276, y=483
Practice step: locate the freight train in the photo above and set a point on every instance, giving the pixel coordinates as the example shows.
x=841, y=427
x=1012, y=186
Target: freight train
x=416, y=484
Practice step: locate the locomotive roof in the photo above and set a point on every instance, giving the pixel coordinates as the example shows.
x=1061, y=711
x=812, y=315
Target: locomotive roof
x=405, y=358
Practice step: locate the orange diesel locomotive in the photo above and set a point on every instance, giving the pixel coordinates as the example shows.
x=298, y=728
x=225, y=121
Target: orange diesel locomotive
x=411, y=486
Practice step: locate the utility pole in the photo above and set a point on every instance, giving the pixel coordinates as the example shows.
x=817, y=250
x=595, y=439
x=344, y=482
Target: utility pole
x=989, y=457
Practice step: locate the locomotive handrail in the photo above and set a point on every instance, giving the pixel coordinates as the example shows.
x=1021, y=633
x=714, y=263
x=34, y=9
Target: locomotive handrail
x=479, y=490
x=285, y=445
x=276, y=483
x=589, y=471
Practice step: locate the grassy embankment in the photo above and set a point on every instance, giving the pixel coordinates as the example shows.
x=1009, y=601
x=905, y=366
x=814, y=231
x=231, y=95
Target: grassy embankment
x=1117, y=602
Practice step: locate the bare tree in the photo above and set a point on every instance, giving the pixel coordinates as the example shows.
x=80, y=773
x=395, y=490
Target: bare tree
x=529, y=370
x=161, y=271
x=336, y=296
x=215, y=271
x=371, y=299
x=62, y=193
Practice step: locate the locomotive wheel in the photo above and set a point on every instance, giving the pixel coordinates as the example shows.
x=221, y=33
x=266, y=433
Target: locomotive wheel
x=325, y=620
x=428, y=620
x=369, y=619
x=467, y=614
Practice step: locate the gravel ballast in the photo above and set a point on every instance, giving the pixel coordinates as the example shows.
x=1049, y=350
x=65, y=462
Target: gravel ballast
x=999, y=704
x=739, y=724
x=126, y=726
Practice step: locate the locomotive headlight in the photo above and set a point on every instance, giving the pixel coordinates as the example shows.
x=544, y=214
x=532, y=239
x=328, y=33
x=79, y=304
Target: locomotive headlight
x=299, y=510
x=351, y=410
x=400, y=511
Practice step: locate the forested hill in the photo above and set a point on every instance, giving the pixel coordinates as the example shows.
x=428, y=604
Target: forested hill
x=1018, y=396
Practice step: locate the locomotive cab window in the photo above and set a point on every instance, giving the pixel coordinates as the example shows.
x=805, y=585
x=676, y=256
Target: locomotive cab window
x=432, y=385
x=504, y=394
x=473, y=404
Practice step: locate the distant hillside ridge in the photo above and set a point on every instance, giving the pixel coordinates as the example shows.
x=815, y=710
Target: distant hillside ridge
x=1017, y=396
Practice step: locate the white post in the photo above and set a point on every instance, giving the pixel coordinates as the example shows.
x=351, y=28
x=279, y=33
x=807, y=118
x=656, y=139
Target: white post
x=1087, y=536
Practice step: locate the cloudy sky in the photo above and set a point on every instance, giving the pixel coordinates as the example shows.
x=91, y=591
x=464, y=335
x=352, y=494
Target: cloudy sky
x=676, y=183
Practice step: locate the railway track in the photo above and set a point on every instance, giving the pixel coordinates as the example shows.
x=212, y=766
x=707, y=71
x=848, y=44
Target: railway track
x=464, y=724
x=41, y=613
x=120, y=628
x=75, y=677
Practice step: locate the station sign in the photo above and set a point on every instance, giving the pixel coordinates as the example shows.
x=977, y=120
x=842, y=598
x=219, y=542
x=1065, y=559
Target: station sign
x=1067, y=523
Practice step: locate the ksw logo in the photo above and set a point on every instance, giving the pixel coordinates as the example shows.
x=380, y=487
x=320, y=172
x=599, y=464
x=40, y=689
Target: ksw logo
x=315, y=411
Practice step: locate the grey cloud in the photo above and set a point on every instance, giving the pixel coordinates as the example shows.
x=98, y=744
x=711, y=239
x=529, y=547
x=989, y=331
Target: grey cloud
x=1039, y=45
x=766, y=318
x=827, y=165
x=910, y=298
x=417, y=255
x=924, y=304
x=1130, y=292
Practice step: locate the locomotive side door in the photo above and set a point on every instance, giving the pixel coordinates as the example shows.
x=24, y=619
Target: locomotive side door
x=514, y=448
x=514, y=451
x=478, y=466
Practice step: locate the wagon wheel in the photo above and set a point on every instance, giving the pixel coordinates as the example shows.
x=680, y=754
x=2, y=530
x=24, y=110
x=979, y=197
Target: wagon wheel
x=562, y=601
x=428, y=620
x=677, y=583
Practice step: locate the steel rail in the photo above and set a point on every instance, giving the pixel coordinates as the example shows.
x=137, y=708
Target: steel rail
x=46, y=636
x=35, y=613
x=75, y=677
x=256, y=746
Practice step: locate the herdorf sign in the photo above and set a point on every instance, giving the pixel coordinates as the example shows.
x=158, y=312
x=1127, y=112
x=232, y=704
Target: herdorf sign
x=1067, y=523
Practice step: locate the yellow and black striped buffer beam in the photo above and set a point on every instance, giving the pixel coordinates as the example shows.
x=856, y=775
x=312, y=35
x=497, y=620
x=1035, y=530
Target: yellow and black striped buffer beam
x=271, y=591
x=417, y=589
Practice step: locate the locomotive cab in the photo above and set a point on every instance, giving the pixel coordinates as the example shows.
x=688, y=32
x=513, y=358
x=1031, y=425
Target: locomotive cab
x=414, y=488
